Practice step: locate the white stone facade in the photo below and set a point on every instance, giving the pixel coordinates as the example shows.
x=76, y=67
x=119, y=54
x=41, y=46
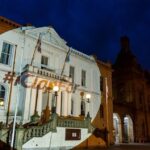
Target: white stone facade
x=53, y=50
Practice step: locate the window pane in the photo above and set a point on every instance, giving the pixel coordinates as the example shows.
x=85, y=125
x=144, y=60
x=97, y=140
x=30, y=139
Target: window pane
x=5, y=58
x=83, y=78
x=2, y=91
x=44, y=60
x=6, y=53
x=7, y=48
x=82, y=108
x=71, y=73
x=72, y=107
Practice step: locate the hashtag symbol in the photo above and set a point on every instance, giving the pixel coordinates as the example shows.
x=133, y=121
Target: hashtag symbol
x=9, y=77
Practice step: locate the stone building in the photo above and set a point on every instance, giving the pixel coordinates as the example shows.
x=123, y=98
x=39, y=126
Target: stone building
x=131, y=102
x=106, y=107
x=103, y=122
x=51, y=88
x=6, y=24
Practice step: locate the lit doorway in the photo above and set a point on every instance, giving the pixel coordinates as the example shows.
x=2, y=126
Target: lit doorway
x=117, y=128
x=128, y=129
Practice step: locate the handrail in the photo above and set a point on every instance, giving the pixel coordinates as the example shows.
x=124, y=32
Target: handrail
x=37, y=131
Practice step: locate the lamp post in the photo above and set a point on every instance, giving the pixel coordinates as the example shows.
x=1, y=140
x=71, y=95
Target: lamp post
x=55, y=89
x=88, y=96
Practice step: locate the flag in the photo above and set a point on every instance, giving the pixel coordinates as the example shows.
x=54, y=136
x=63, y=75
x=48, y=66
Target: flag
x=67, y=59
x=38, y=45
x=68, y=55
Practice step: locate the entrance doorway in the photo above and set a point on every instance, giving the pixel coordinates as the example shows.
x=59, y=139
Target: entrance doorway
x=128, y=129
x=117, y=128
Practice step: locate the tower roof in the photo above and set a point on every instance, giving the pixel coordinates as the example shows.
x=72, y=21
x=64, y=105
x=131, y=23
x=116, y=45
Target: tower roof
x=126, y=58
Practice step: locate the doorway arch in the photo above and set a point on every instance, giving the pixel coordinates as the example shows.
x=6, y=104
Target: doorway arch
x=128, y=129
x=117, y=128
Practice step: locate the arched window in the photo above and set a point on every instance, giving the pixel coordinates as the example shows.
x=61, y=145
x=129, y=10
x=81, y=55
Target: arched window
x=2, y=95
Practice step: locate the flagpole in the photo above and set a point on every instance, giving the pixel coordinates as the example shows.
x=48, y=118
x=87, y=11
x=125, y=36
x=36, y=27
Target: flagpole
x=107, y=116
x=36, y=47
x=65, y=61
x=11, y=85
x=17, y=101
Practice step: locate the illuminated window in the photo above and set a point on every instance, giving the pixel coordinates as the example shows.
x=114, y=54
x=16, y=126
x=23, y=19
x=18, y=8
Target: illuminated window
x=2, y=95
x=6, y=54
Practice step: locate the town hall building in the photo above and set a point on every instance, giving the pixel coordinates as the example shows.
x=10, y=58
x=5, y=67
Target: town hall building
x=49, y=89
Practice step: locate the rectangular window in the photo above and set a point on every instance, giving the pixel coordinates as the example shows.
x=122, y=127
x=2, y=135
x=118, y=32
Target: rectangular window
x=71, y=73
x=6, y=54
x=72, y=107
x=83, y=78
x=101, y=84
x=73, y=134
x=101, y=111
x=44, y=62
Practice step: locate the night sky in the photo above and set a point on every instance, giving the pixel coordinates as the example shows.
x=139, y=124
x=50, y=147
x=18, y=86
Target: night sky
x=90, y=26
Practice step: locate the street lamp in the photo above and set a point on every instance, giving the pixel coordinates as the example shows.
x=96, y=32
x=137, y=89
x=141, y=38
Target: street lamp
x=88, y=96
x=55, y=89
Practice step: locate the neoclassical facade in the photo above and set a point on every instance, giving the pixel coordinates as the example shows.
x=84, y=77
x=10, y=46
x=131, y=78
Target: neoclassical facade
x=51, y=88
x=131, y=97
x=103, y=122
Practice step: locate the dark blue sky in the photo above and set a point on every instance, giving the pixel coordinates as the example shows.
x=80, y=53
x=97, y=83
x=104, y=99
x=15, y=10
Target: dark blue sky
x=91, y=26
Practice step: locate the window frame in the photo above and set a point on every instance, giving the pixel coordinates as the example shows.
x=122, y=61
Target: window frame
x=83, y=81
x=73, y=79
x=72, y=107
x=4, y=99
x=43, y=65
x=11, y=55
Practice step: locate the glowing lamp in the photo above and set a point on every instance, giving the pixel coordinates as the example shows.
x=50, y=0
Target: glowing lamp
x=55, y=88
x=88, y=96
x=1, y=102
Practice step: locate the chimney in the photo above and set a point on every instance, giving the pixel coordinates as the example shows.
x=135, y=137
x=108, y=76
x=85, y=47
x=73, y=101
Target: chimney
x=125, y=43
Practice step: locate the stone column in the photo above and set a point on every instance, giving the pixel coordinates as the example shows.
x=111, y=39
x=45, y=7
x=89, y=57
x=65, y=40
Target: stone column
x=39, y=102
x=27, y=102
x=50, y=100
x=32, y=103
x=69, y=103
x=64, y=103
x=58, y=107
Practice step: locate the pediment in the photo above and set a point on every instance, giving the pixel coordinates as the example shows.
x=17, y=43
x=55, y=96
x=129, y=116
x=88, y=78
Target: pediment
x=49, y=35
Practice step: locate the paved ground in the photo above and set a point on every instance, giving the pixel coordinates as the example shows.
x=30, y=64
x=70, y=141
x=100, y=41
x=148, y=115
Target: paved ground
x=133, y=146
x=129, y=147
